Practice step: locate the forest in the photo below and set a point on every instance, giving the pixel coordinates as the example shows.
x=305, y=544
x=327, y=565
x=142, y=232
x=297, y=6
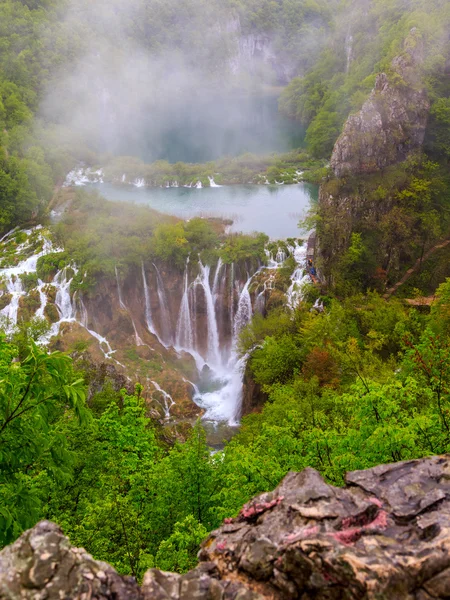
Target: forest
x=362, y=382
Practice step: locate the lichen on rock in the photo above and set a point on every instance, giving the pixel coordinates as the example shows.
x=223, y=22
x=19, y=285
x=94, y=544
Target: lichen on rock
x=385, y=535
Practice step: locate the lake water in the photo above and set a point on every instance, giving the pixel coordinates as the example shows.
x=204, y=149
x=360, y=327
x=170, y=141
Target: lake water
x=272, y=209
x=204, y=127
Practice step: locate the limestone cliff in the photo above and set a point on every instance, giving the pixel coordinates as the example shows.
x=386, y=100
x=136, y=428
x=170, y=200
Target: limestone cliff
x=386, y=535
x=391, y=123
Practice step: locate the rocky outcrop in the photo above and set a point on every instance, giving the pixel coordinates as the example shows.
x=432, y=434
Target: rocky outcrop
x=391, y=123
x=386, y=535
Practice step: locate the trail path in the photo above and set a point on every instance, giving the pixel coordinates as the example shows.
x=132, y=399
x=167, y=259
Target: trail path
x=415, y=268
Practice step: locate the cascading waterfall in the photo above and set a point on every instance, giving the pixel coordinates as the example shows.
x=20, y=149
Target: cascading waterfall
x=299, y=278
x=70, y=310
x=167, y=400
x=245, y=311
x=148, y=308
x=232, y=297
x=166, y=322
x=228, y=308
x=216, y=279
x=119, y=291
x=184, y=334
x=63, y=300
x=213, y=330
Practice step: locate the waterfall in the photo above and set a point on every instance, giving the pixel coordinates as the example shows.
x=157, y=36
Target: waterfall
x=184, y=336
x=213, y=332
x=193, y=298
x=168, y=401
x=299, y=277
x=119, y=291
x=166, y=323
x=232, y=298
x=244, y=312
x=216, y=279
x=212, y=183
x=63, y=300
x=148, y=309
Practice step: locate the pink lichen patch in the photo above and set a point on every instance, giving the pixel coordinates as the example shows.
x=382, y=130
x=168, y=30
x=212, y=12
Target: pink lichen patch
x=380, y=521
x=221, y=546
x=301, y=535
x=250, y=511
x=376, y=502
x=228, y=521
x=350, y=535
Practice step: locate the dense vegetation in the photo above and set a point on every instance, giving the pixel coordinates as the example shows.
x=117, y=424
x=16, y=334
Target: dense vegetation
x=287, y=168
x=362, y=383
x=99, y=236
x=366, y=37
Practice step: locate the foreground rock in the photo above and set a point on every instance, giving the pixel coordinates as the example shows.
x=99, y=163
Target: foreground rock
x=385, y=536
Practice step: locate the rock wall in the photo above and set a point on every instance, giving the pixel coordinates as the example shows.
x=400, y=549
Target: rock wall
x=391, y=123
x=386, y=535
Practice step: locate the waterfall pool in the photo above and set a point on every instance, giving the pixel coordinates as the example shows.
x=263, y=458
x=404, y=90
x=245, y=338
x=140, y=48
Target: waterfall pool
x=272, y=209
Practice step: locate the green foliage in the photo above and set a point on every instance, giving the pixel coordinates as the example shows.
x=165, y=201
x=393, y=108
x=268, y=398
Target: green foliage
x=342, y=77
x=179, y=552
x=240, y=247
x=35, y=394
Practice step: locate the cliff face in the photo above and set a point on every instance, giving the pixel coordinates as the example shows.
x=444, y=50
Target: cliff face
x=391, y=123
x=363, y=196
x=386, y=535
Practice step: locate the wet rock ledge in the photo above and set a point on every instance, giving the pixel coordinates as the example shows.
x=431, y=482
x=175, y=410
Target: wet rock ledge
x=386, y=535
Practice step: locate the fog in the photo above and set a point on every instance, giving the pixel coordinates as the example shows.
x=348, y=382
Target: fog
x=174, y=80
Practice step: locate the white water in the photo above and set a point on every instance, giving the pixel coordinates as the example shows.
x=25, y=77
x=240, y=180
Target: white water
x=184, y=334
x=212, y=183
x=214, y=358
x=71, y=310
x=166, y=322
x=148, y=308
x=226, y=369
x=244, y=312
x=299, y=278
x=167, y=400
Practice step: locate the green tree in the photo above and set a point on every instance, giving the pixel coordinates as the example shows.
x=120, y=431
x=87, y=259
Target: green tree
x=35, y=394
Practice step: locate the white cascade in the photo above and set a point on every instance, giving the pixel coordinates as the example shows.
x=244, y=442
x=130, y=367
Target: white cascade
x=244, y=312
x=215, y=288
x=148, y=308
x=232, y=297
x=167, y=400
x=281, y=256
x=40, y=313
x=63, y=299
x=213, y=330
x=212, y=183
x=299, y=278
x=119, y=291
x=166, y=322
x=184, y=333
x=271, y=263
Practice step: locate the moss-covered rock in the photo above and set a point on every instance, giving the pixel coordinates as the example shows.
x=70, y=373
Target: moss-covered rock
x=28, y=305
x=51, y=313
x=5, y=300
